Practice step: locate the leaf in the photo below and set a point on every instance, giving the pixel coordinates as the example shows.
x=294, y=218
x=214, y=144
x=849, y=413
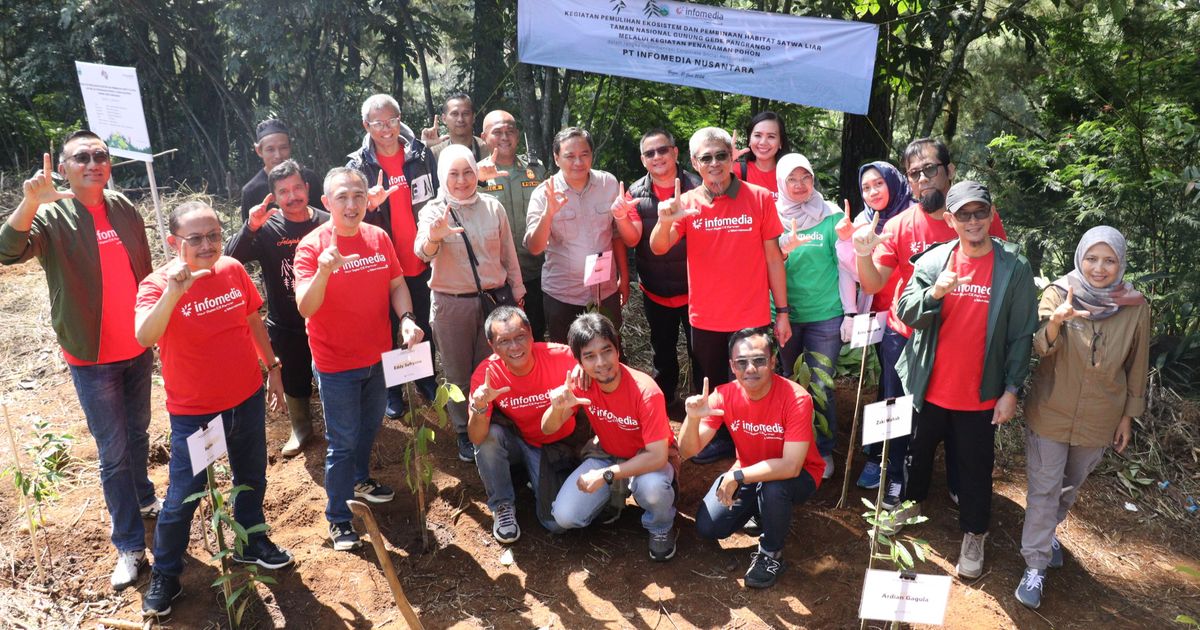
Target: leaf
x=866, y=502
x=440, y=398
x=223, y=579
x=455, y=393
x=261, y=527
x=241, y=610
x=234, y=595
x=905, y=557
x=196, y=496
x=265, y=579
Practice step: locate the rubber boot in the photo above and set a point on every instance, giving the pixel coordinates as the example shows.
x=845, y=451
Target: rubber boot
x=301, y=417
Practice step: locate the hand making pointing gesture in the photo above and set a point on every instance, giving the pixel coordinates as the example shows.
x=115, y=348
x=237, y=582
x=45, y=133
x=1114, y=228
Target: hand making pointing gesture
x=672, y=210
x=485, y=393
x=377, y=194
x=866, y=240
x=1067, y=311
x=790, y=239
x=622, y=206
x=40, y=189
x=698, y=406
x=331, y=259
x=947, y=282
x=441, y=228
x=263, y=211
x=180, y=277
x=487, y=168
x=562, y=398
x=845, y=227
x=430, y=136
x=555, y=199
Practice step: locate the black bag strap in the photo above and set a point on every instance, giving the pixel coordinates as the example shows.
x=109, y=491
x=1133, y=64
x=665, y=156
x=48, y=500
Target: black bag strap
x=470, y=251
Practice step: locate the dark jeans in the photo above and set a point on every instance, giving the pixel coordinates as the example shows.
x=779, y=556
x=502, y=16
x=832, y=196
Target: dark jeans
x=560, y=315
x=418, y=291
x=665, y=323
x=116, y=402
x=291, y=347
x=770, y=501
x=824, y=337
x=353, y=402
x=974, y=437
x=535, y=308
x=246, y=438
x=711, y=349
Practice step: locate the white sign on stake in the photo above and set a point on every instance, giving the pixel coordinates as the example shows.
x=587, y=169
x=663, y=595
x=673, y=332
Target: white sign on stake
x=868, y=329
x=597, y=268
x=905, y=597
x=887, y=419
x=402, y=366
x=114, y=109
x=207, y=445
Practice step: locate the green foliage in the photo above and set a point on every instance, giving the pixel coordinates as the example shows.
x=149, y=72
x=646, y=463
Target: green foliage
x=418, y=469
x=820, y=388
x=50, y=453
x=883, y=525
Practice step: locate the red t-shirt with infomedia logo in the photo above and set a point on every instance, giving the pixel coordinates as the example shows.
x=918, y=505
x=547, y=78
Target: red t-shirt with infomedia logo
x=962, y=336
x=628, y=418
x=529, y=395
x=118, y=293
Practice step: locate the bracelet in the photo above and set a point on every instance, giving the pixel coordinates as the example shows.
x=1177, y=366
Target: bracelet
x=276, y=364
x=478, y=410
x=409, y=315
x=782, y=309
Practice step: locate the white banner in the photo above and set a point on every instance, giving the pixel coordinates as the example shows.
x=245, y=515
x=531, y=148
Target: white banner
x=812, y=61
x=114, y=109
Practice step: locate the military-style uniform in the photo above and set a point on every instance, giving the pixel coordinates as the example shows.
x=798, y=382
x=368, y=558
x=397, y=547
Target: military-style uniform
x=514, y=191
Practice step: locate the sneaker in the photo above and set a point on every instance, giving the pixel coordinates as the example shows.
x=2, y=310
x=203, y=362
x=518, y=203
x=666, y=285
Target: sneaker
x=163, y=590
x=373, y=491
x=752, y=527
x=764, y=570
x=396, y=405
x=129, y=564
x=828, y=466
x=504, y=524
x=1056, y=554
x=892, y=497
x=466, y=450
x=662, y=545
x=869, y=479
x=344, y=537
x=1029, y=591
x=266, y=554
x=719, y=448
x=152, y=510
x=970, y=557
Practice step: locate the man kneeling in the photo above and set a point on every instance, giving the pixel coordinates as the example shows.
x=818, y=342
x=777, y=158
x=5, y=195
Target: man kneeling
x=770, y=419
x=628, y=413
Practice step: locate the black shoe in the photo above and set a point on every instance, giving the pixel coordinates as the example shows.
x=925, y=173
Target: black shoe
x=373, y=491
x=266, y=554
x=720, y=447
x=163, y=590
x=764, y=570
x=396, y=405
x=466, y=450
x=344, y=537
x=752, y=527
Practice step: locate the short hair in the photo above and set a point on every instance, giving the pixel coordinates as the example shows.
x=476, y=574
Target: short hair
x=657, y=131
x=587, y=328
x=709, y=134
x=379, y=101
x=916, y=147
x=75, y=135
x=283, y=170
x=569, y=133
x=458, y=96
x=184, y=208
x=503, y=314
x=783, y=138
x=746, y=333
x=343, y=171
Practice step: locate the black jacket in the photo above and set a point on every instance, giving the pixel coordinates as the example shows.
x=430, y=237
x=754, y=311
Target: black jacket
x=420, y=171
x=666, y=275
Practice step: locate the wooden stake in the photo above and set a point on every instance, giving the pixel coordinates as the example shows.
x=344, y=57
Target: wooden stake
x=16, y=453
x=862, y=370
x=363, y=511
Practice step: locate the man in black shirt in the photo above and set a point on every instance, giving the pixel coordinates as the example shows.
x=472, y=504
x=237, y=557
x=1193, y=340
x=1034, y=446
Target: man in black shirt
x=270, y=235
x=273, y=143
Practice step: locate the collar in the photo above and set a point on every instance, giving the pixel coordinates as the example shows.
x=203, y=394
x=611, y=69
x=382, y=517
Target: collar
x=731, y=191
x=583, y=191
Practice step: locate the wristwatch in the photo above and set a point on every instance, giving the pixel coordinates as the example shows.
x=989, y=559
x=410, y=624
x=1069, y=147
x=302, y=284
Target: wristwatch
x=739, y=476
x=608, y=477
x=408, y=315
x=275, y=364
x=783, y=309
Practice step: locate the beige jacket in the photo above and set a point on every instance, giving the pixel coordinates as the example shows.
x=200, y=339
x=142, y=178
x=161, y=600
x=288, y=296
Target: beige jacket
x=1093, y=374
x=486, y=225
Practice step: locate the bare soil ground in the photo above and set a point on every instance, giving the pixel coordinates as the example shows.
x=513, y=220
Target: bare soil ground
x=1120, y=569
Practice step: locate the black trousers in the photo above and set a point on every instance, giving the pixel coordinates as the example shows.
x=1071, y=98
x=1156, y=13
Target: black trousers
x=535, y=308
x=291, y=347
x=711, y=350
x=560, y=315
x=665, y=323
x=974, y=438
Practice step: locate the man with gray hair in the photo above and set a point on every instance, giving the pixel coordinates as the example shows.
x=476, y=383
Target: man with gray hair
x=732, y=229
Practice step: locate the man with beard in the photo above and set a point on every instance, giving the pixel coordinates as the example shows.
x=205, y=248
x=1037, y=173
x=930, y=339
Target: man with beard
x=884, y=260
x=273, y=144
x=270, y=236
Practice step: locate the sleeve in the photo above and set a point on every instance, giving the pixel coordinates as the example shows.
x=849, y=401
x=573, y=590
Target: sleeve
x=888, y=254
x=508, y=253
x=149, y=292
x=771, y=225
x=535, y=214
x=304, y=265
x=1137, y=365
x=254, y=299
x=1052, y=297
x=997, y=228
x=425, y=218
x=799, y=417
x=653, y=414
x=916, y=306
x=1022, y=322
x=17, y=247
x=244, y=244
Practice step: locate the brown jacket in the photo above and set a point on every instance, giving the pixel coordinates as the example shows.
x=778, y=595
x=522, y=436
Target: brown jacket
x=1093, y=374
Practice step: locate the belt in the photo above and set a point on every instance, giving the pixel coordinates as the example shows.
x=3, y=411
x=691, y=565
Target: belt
x=462, y=295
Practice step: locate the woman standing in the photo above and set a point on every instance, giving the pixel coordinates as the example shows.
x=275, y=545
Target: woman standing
x=767, y=140
x=466, y=238
x=820, y=294
x=1094, y=342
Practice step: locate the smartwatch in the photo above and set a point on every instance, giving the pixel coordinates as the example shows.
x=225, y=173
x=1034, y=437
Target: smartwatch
x=608, y=477
x=739, y=476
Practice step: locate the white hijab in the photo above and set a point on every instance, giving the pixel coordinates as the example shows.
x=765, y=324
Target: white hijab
x=449, y=156
x=805, y=212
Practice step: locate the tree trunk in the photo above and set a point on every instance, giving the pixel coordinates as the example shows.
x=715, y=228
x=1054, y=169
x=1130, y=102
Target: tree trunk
x=487, y=63
x=530, y=114
x=865, y=139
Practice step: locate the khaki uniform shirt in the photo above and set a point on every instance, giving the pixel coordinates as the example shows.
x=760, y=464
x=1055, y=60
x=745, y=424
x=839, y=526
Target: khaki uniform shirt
x=1093, y=374
x=480, y=149
x=514, y=191
x=487, y=228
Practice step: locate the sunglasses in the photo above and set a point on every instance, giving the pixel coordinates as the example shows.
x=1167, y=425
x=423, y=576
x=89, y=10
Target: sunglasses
x=651, y=153
x=963, y=217
x=929, y=171
x=99, y=156
x=378, y=125
x=708, y=158
x=758, y=362
x=196, y=240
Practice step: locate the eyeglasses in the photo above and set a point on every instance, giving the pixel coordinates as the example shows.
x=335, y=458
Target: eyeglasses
x=651, y=153
x=963, y=217
x=99, y=156
x=378, y=125
x=743, y=364
x=515, y=341
x=708, y=158
x=929, y=171
x=196, y=240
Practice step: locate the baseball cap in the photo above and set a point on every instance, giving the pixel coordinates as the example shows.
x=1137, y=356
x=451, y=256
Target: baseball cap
x=965, y=192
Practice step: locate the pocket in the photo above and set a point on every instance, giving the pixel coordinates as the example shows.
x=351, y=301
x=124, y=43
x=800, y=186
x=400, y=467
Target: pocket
x=566, y=224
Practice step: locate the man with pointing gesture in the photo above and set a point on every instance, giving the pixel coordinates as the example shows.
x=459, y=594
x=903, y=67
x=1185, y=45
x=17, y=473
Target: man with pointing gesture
x=972, y=306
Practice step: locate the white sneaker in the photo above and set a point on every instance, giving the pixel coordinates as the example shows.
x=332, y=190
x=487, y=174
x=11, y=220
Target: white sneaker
x=129, y=563
x=828, y=466
x=970, y=557
x=153, y=510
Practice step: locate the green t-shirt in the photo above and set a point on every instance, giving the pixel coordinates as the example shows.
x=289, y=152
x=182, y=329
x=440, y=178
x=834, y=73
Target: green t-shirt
x=812, y=274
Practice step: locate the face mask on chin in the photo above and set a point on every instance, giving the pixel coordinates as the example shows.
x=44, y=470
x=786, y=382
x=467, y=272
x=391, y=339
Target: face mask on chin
x=933, y=201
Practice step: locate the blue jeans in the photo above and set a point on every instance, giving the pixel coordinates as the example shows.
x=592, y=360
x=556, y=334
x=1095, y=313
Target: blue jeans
x=353, y=401
x=502, y=448
x=574, y=508
x=246, y=439
x=116, y=402
x=824, y=337
x=770, y=501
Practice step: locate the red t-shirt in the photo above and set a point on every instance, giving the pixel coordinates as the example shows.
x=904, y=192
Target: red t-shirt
x=404, y=223
x=759, y=177
x=727, y=266
x=209, y=362
x=352, y=327
x=913, y=231
x=630, y=417
x=662, y=193
x=530, y=394
x=760, y=427
x=958, y=360
x=117, y=340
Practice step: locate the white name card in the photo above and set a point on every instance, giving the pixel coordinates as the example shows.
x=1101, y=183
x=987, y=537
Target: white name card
x=908, y=597
x=207, y=445
x=887, y=419
x=868, y=329
x=597, y=268
x=402, y=366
